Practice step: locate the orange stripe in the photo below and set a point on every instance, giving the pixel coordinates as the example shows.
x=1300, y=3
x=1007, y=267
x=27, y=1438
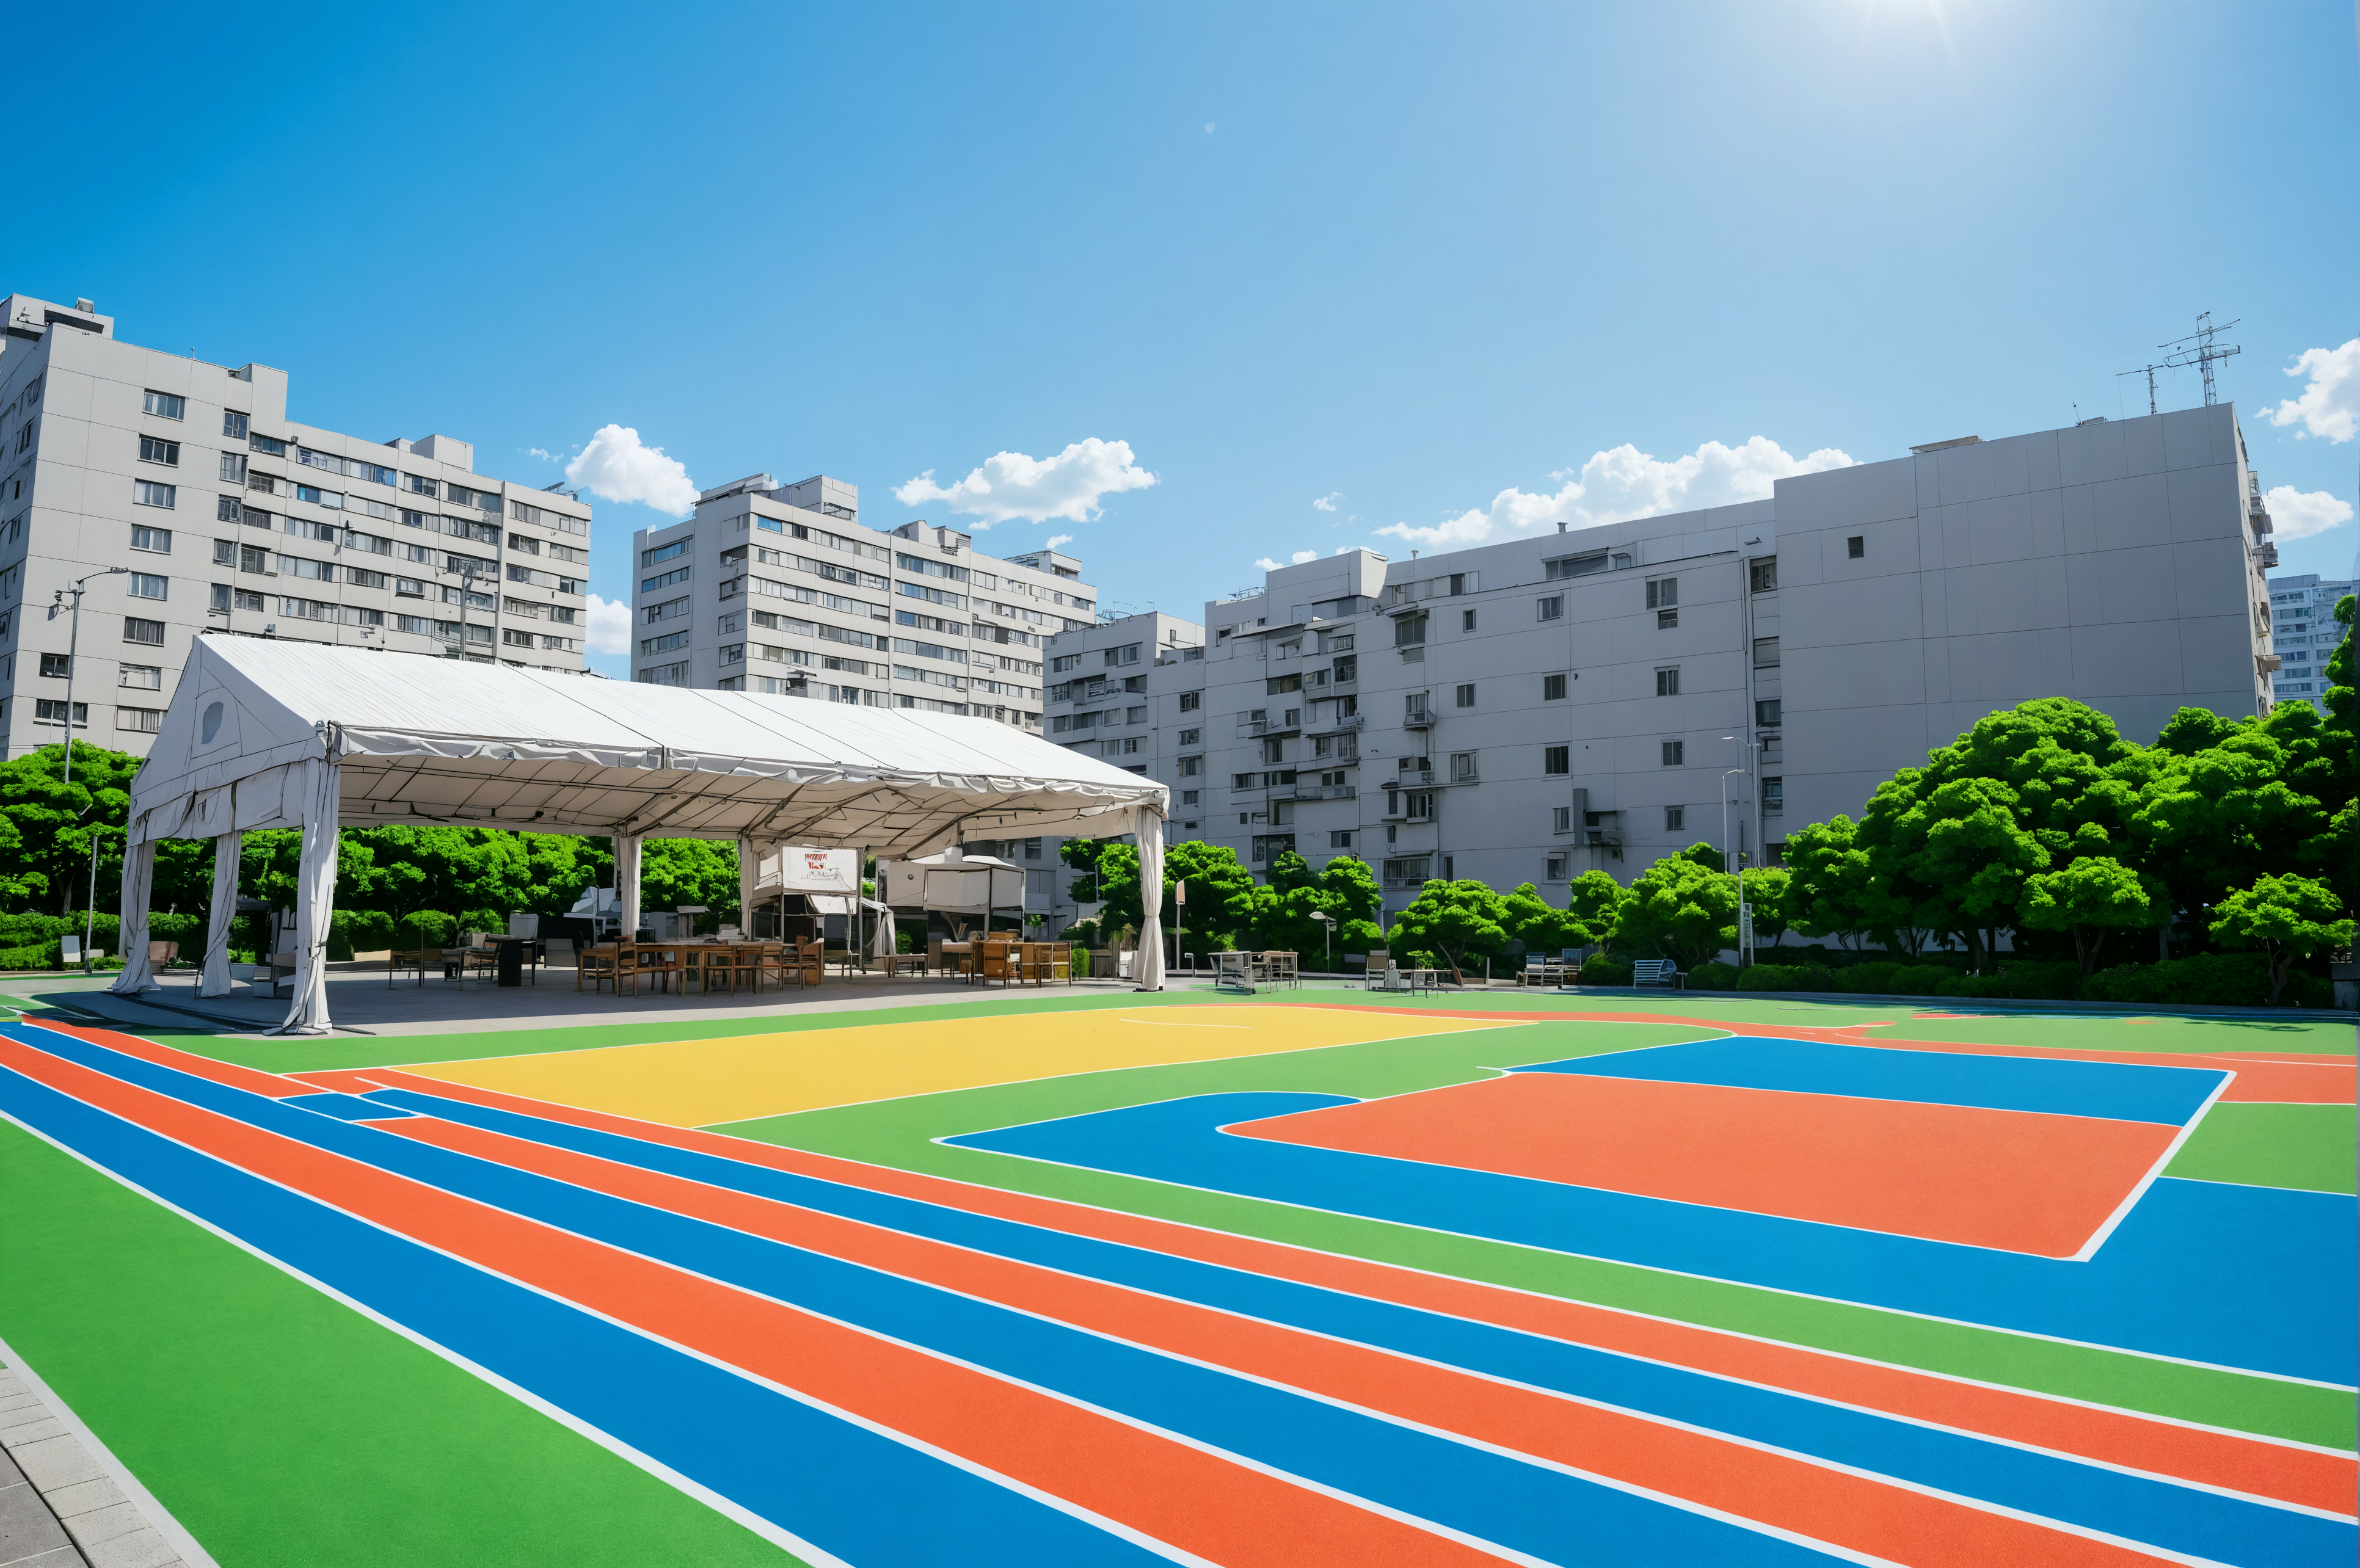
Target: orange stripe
x=1197, y=1501
x=237, y=1077
x=2118, y=1437
x=1789, y=1494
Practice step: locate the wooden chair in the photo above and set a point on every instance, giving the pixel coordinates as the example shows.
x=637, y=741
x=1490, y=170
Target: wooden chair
x=1378, y=958
x=998, y=961
x=805, y=964
x=282, y=969
x=596, y=966
x=416, y=958
x=658, y=964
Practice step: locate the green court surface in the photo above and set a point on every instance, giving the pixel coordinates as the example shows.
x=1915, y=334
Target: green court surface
x=2309, y=1147
x=2144, y=1031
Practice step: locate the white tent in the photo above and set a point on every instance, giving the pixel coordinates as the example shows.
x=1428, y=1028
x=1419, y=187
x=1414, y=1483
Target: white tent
x=270, y=733
x=953, y=883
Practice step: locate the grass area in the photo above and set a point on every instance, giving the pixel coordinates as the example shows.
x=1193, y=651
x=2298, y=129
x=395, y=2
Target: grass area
x=2154, y=1032
x=2310, y=1147
x=283, y=1428
x=900, y=1133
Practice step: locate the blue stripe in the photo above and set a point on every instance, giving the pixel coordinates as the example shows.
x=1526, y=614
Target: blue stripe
x=343, y=1107
x=2122, y=1091
x=1504, y=1499
x=2133, y=1506
x=837, y=1485
x=2242, y=1277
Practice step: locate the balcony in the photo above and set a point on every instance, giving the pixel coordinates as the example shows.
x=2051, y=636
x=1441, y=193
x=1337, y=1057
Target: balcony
x=2265, y=554
x=1345, y=726
x=1418, y=719
x=1315, y=792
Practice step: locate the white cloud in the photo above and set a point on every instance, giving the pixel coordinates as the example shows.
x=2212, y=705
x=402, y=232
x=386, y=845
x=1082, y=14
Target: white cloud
x=1012, y=485
x=610, y=625
x=1267, y=565
x=1209, y=127
x=545, y=456
x=2299, y=514
x=1297, y=558
x=616, y=467
x=2330, y=404
x=1057, y=539
x=1328, y=503
x=1627, y=483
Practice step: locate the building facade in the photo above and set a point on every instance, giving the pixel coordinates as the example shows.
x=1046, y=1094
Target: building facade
x=2304, y=635
x=226, y=516
x=780, y=588
x=1533, y=709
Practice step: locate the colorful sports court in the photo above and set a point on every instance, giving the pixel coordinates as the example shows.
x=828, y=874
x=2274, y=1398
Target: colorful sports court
x=1120, y=1279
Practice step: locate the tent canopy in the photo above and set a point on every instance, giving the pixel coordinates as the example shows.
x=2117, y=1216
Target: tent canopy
x=426, y=741
x=953, y=883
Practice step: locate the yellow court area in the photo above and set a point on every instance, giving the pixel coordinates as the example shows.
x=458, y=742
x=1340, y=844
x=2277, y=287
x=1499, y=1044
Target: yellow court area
x=698, y=1083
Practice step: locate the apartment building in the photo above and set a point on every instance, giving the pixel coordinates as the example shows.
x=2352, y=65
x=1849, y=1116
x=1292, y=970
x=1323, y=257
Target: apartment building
x=778, y=588
x=1543, y=706
x=2304, y=635
x=1130, y=693
x=226, y=516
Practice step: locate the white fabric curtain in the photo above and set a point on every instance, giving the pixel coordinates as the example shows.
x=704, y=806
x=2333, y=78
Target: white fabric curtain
x=138, y=877
x=315, y=899
x=1147, y=827
x=215, y=980
x=884, y=946
x=627, y=882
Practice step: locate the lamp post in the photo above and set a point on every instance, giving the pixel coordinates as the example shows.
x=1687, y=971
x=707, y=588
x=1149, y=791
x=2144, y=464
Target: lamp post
x=1328, y=934
x=1745, y=913
x=1179, y=920
x=73, y=658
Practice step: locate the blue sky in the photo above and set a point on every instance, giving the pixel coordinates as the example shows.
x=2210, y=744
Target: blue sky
x=1404, y=259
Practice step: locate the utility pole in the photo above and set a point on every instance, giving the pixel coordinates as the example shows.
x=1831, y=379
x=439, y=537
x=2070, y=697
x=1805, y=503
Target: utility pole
x=1728, y=852
x=73, y=661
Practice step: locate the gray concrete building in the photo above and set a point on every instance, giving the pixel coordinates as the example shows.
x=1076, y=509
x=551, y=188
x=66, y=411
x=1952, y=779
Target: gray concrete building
x=2304, y=635
x=780, y=588
x=228, y=516
x=1543, y=706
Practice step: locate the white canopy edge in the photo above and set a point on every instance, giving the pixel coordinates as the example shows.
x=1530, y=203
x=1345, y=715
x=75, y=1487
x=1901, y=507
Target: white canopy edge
x=426, y=741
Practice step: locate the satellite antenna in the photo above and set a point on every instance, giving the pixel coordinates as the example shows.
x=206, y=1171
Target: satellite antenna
x=2203, y=354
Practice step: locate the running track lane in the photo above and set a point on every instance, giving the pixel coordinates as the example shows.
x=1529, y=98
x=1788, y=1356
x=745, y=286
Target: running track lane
x=2237, y=1462
x=824, y=1479
x=2298, y=1473
x=2217, y=1524
x=1808, y=1499
x=1171, y=1492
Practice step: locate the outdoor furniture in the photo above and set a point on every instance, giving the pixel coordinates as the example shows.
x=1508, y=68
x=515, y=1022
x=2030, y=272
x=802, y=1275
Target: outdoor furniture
x=659, y=960
x=802, y=963
x=1658, y=971
x=1046, y=961
x=1280, y=969
x=905, y=963
x=594, y=964
x=1233, y=972
x=1541, y=970
x=282, y=969
x=997, y=961
x=956, y=957
x=459, y=961
x=1377, y=958
x=416, y=958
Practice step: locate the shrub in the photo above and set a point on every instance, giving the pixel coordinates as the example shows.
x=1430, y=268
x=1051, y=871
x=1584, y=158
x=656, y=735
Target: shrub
x=1605, y=970
x=2231, y=979
x=25, y=958
x=1925, y=979
x=2035, y=981
x=1713, y=978
x=1788, y=977
x=1868, y=979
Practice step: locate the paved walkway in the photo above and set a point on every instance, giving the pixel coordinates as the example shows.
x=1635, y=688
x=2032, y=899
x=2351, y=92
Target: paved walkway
x=65, y=1502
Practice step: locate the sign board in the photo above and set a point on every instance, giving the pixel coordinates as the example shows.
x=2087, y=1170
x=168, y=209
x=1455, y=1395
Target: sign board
x=1745, y=925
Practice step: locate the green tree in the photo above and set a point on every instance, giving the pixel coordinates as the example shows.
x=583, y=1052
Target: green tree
x=2286, y=918
x=2217, y=818
x=675, y=871
x=2092, y=898
x=1460, y=921
x=1285, y=909
x=1220, y=890
x=1965, y=856
x=1593, y=907
x=1766, y=893
x=1682, y=910
x=1539, y=925
x=1828, y=884
x=56, y=820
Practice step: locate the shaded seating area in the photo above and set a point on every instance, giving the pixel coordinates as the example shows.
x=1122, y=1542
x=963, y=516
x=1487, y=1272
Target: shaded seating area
x=282, y=733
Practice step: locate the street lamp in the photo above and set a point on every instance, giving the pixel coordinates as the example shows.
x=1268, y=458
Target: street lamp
x=73, y=659
x=1329, y=921
x=1745, y=913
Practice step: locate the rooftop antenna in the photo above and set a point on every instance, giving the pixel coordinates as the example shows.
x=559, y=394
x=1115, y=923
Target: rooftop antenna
x=2203, y=354
x=2149, y=371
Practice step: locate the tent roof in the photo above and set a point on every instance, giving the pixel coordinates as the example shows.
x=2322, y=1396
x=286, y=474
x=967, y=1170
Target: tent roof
x=442, y=742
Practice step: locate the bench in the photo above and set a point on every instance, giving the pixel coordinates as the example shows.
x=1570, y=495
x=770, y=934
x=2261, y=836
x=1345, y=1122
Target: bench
x=1658, y=971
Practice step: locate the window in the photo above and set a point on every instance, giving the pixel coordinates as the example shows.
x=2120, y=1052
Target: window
x=1574, y=566
x=1192, y=737
x=665, y=552
x=158, y=539
x=1340, y=838
x=1409, y=630
x=217, y=597
x=1557, y=759
x=1668, y=682
x=246, y=601
x=146, y=721
x=1462, y=767
x=153, y=449
x=1127, y=654
x=1765, y=653
x=515, y=638
x=147, y=585
x=254, y=558
x=1765, y=574
x=1766, y=712
x=650, y=585
x=1675, y=818
x=1676, y=753
x=233, y=424
x=141, y=631
x=224, y=552
x=1191, y=701
x=1856, y=547
x=269, y=446
x=1663, y=593
x=167, y=406
x=47, y=712
x=1466, y=620
x=1561, y=819
x=1666, y=619
x=226, y=509
x=145, y=493
x=1560, y=868
x=1064, y=662
x=361, y=578
x=1408, y=869
x=56, y=665
x=1467, y=696
x=1774, y=796
x=1553, y=688
x=1551, y=608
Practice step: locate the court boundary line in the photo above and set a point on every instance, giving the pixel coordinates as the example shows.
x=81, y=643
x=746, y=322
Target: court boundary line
x=2171, y=1150
x=945, y=1140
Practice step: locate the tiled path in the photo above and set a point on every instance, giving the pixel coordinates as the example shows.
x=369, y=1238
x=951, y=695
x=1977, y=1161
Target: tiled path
x=60, y=1506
